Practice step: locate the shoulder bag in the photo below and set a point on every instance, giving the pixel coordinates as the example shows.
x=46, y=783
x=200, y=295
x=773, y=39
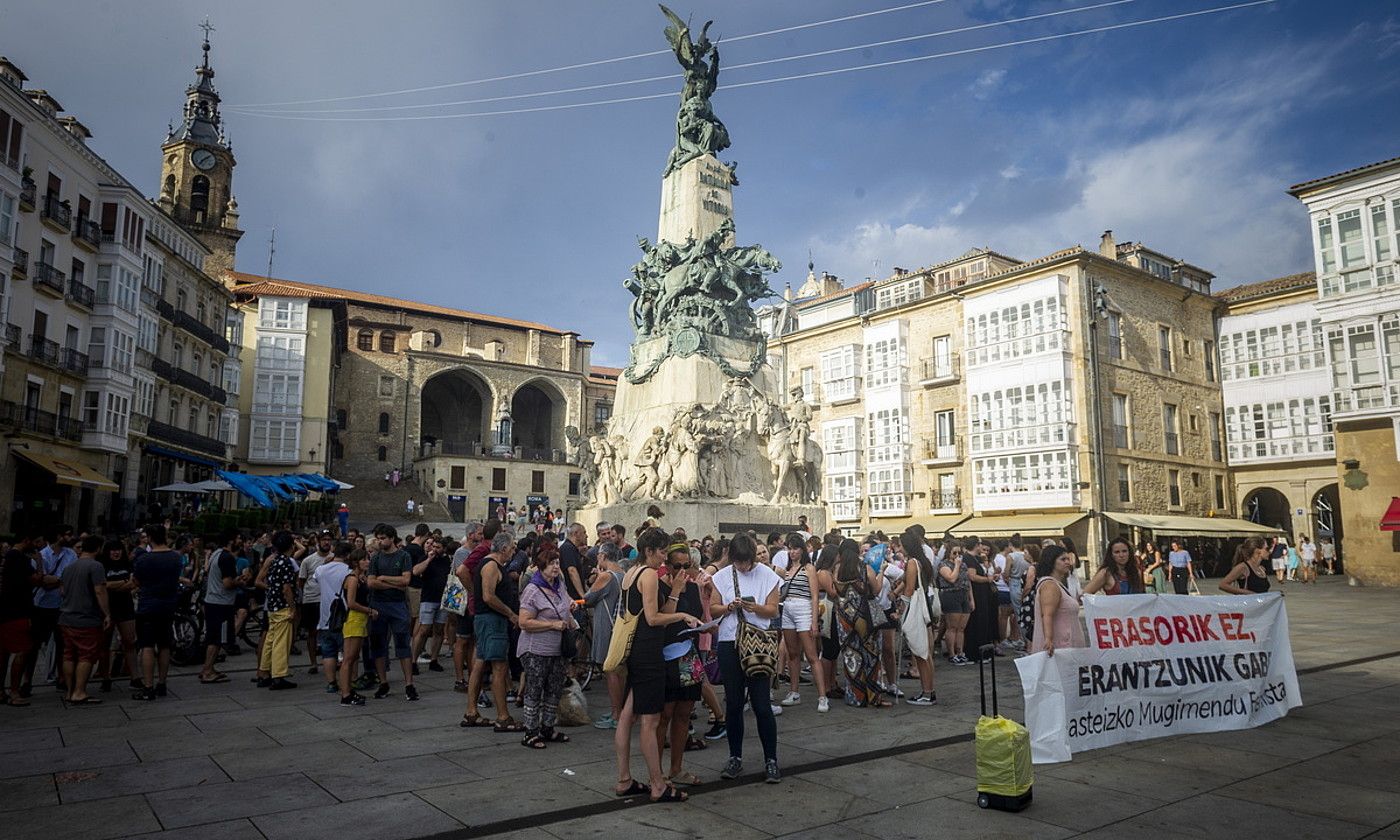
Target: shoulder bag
x=624, y=628
x=454, y=596
x=568, y=637
x=757, y=647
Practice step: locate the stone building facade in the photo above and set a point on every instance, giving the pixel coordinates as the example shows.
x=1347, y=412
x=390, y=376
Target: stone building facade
x=471, y=408
x=989, y=395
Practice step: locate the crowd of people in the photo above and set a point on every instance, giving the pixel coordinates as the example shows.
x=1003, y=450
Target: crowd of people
x=738, y=625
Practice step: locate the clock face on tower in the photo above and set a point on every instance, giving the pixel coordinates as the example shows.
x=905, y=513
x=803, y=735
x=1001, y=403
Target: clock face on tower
x=204, y=159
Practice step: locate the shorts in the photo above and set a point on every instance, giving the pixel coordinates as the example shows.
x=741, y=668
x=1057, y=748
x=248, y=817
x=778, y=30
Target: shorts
x=218, y=624
x=153, y=630
x=1279, y=563
x=647, y=682
x=953, y=601
x=797, y=615
x=356, y=625
x=430, y=613
x=492, y=637
x=392, y=621
x=82, y=644
x=1003, y=598
x=14, y=636
x=466, y=627
x=329, y=643
x=309, y=615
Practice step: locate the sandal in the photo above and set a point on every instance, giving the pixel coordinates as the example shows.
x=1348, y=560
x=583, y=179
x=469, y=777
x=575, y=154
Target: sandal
x=505, y=725
x=693, y=744
x=217, y=678
x=534, y=742
x=86, y=701
x=633, y=789
x=685, y=778
x=17, y=701
x=553, y=736
x=671, y=795
x=473, y=721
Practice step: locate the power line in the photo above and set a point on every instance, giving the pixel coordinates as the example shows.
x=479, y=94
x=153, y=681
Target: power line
x=584, y=64
x=811, y=75
x=872, y=45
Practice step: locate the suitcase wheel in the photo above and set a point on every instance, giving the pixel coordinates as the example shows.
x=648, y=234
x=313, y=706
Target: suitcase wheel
x=983, y=801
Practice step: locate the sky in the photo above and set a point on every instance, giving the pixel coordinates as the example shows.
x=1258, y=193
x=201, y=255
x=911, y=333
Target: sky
x=1181, y=134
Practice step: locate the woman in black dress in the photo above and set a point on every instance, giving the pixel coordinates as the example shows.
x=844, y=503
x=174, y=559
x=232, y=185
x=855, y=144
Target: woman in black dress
x=646, y=670
x=982, y=624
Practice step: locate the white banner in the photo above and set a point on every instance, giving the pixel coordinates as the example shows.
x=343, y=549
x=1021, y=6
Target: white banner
x=1161, y=665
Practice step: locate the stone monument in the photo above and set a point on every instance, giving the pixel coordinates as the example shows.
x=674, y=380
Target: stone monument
x=700, y=426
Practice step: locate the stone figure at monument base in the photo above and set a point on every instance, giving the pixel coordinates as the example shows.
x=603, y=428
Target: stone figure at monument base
x=700, y=425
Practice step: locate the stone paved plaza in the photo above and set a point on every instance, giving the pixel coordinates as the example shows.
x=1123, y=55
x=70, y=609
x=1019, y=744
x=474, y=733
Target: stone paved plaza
x=228, y=761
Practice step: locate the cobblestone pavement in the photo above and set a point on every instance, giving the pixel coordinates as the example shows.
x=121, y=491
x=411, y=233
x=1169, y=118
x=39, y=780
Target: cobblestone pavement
x=228, y=761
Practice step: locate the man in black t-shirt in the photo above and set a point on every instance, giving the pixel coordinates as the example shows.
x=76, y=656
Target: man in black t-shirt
x=432, y=571
x=18, y=577
x=157, y=576
x=413, y=596
x=571, y=559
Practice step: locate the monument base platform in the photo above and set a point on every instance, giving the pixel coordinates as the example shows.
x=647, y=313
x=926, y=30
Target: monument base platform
x=702, y=518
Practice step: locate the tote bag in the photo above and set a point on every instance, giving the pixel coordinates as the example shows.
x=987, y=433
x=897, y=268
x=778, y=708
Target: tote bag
x=624, y=628
x=916, y=619
x=454, y=596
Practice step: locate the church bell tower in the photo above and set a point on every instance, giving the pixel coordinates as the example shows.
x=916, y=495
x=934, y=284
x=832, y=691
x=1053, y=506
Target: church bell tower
x=196, y=178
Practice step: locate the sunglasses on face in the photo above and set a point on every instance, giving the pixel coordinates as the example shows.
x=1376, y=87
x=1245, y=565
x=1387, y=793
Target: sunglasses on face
x=679, y=565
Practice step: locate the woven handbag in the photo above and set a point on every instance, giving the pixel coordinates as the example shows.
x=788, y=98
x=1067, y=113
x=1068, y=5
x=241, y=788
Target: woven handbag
x=757, y=647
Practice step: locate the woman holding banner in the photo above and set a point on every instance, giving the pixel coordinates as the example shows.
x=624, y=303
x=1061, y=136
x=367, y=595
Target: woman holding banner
x=1248, y=577
x=1119, y=574
x=1056, y=610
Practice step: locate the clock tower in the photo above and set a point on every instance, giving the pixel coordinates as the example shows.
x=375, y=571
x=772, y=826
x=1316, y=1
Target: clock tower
x=196, y=177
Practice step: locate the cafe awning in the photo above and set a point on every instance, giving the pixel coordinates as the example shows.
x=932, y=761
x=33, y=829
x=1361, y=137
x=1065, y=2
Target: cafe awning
x=934, y=524
x=1039, y=524
x=67, y=472
x=1391, y=520
x=1194, y=526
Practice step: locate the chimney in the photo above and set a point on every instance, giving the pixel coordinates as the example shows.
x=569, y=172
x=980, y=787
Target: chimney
x=1107, y=247
x=830, y=283
x=75, y=128
x=11, y=73
x=44, y=101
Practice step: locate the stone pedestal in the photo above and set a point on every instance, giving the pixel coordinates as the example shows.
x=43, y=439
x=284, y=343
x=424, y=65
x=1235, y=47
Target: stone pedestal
x=695, y=201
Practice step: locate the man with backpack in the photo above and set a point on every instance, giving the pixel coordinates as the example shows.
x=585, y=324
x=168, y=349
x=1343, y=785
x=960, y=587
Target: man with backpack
x=330, y=582
x=221, y=579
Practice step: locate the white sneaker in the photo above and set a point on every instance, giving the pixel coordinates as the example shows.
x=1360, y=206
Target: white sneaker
x=823, y=705
x=777, y=710
x=792, y=699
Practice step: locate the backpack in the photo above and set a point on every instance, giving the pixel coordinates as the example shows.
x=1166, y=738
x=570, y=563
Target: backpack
x=335, y=622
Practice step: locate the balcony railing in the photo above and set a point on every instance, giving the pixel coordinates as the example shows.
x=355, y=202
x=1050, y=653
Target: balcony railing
x=43, y=350
x=166, y=309
x=30, y=419
x=57, y=212
x=81, y=293
x=21, y=260
x=14, y=337
x=87, y=232
x=187, y=439
x=50, y=278
x=947, y=450
x=1173, y=443
x=945, y=500
x=73, y=361
x=938, y=369
x=199, y=330
x=162, y=368
x=27, y=192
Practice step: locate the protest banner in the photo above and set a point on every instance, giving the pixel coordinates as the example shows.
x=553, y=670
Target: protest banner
x=1161, y=665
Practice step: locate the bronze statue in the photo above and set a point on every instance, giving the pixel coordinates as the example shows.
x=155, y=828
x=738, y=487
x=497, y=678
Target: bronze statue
x=698, y=131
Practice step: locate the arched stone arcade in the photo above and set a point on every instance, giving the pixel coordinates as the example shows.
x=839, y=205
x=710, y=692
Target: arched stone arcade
x=456, y=416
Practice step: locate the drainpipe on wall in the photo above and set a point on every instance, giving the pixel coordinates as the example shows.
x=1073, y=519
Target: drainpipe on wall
x=1096, y=411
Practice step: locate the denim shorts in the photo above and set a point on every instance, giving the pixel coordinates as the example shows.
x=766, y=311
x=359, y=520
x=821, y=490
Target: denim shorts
x=329, y=643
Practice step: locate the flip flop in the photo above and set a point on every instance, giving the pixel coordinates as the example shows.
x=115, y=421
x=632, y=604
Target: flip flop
x=17, y=701
x=671, y=795
x=632, y=790
x=685, y=779
x=218, y=678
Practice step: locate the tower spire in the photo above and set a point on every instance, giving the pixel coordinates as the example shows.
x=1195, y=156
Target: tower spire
x=201, y=121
